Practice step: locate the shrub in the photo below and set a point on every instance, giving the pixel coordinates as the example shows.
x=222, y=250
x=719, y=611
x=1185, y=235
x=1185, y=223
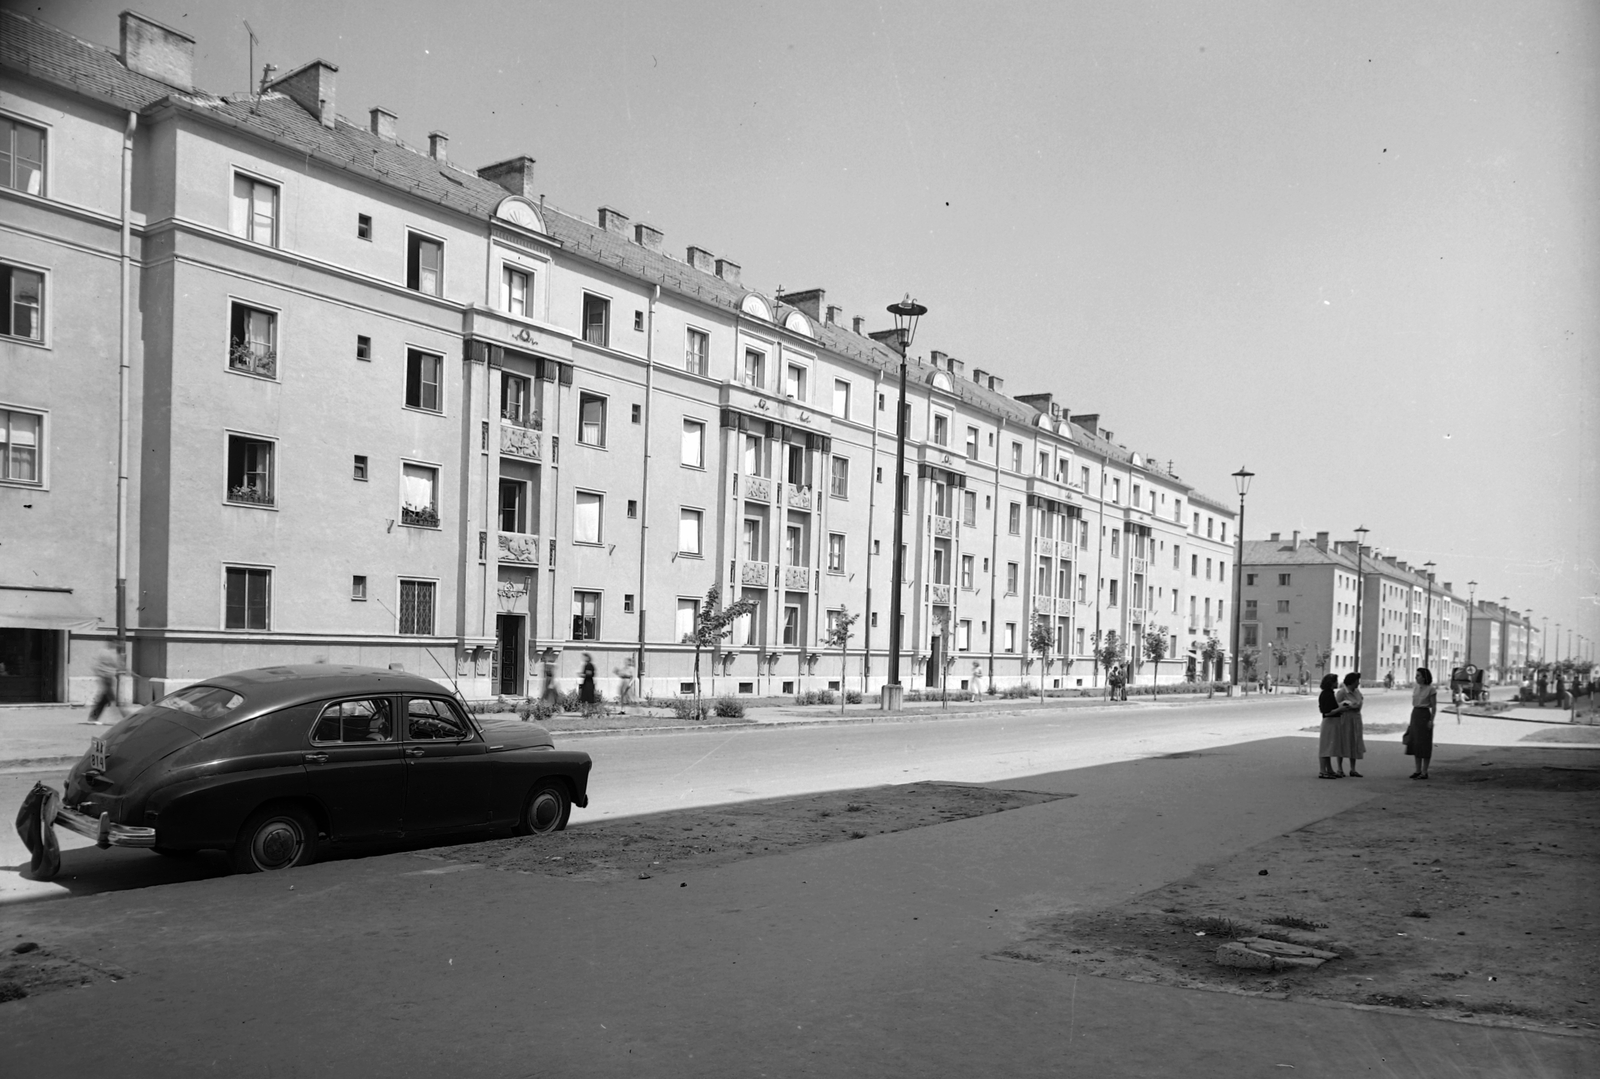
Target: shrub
x=816, y=696
x=538, y=711
x=1014, y=692
x=852, y=696
x=684, y=710
x=729, y=708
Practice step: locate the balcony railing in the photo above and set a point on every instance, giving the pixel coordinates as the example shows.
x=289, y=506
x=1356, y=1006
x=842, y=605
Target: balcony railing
x=1044, y=605
x=522, y=418
x=1136, y=616
x=254, y=359
x=943, y=526
x=799, y=497
x=1140, y=565
x=421, y=516
x=758, y=488
x=1064, y=607
x=252, y=494
x=520, y=548
x=939, y=593
x=797, y=578
x=519, y=441
x=753, y=574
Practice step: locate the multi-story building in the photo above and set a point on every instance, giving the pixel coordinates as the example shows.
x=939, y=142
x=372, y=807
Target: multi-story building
x=379, y=408
x=1502, y=642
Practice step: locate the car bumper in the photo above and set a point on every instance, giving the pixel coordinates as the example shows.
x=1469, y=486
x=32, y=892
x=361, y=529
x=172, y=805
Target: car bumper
x=103, y=832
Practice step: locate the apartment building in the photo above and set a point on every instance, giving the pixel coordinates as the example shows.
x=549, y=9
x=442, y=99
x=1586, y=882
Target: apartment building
x=1504, y=642
x=383, y=409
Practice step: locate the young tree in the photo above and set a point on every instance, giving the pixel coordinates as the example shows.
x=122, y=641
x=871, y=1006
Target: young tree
x=1299, y=653
x=839, y=637
x=1248, y=659
x=1155, y=650
x=1210, y=656
x=1041, y=640
x=712, y=625
x=1108, y=652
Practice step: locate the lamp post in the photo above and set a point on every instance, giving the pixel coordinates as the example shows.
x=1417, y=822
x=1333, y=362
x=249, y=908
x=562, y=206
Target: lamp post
x=906, y=313
x=1505, y=643
x=1361, y=592
x=1427, y=622
x=1544, y=632
x=1241, y=481
x=1472, y=592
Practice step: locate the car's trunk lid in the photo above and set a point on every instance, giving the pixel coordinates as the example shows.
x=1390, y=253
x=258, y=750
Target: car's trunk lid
x=503, y=734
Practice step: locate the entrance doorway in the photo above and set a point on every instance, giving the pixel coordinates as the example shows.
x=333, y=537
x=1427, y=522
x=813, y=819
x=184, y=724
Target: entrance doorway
x=29, y=665
x=509, y=655
x=935, y=661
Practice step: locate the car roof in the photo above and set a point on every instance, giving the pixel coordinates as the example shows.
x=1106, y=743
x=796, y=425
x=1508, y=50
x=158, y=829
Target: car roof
x=267, y=688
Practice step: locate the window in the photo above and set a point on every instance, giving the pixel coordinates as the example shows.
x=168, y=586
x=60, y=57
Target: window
x=1044, y=465
x=1283, y=580
x=419, y=505
x=358, y=588
x=1224, y=532
x=796, y=473
x=1208, y=569
x=1177, y=510
x=513, y=506
x=1251, y=635
x=252, y=341
x=1136, y=495
x=363, y=348
x=1010, y=637
x=250, y=470
x=585, y=616
x=964, y=635
x=841, y=398
x=755, y=455
x=1083, y=588
x=1041, y=577
x=359, y=469
x=1177, y=555
x=1011, y=578
x=21, y=157
x=694, y=443
x=1014, y=519
x=586, y=517
x=632, y=510
x=247, y=596
x=1250, y=579
x=688, y=619
x=254, y=211
x=1116, y=539
x=966, y=571
x=1250, y=610
x=1111, y=595
x=20, y=445
x=514, y=291
x=1062, y=468
x=794, y=548
x=753, y=549
x=1210, y=521
x=1283, y=606
x=835, y=552
x=1016, y=457
x=696, y=351
x=791, y=625
x=1283, y=633
x=754, y=368
x=689, y=522
x=424, y=265
x=1194, y=565
x=516, y=399
x=591, y=419
x=1197, y=524
x=423, y=371
x=636, y=413
x=972, y=443
x=1116, y=489
x=941, y=429
x=839, y=477
x=363, y=226
x=638, y=321
x=794, y=382
x=596, y=320
x=969, y=508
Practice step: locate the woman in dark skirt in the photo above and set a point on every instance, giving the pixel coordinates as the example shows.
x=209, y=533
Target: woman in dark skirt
x=1418, y=738
x=1328, y=740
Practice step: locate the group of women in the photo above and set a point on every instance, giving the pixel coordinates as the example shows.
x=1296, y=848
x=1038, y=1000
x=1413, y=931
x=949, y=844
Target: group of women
x=1342, y=738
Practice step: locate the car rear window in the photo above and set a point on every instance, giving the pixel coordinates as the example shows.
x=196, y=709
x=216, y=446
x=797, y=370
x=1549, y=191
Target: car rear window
x=202, y=702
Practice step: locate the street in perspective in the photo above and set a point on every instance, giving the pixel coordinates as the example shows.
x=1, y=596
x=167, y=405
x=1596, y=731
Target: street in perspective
x=1108, y=633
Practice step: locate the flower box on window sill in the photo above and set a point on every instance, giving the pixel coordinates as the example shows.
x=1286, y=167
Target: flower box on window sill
x=419, y=516
x=252, y=361
x=250, y=496
x=530, y=421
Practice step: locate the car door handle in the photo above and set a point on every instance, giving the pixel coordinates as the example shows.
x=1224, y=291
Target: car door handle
x=316, y=758
x=414, y=751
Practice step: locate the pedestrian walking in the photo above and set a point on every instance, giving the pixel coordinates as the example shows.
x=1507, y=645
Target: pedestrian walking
x=107, y=668
x=587, y=697
x=1418, y=738
x=548, y=692
x=624, y=675
x=1351, y=743
x=1328, y=738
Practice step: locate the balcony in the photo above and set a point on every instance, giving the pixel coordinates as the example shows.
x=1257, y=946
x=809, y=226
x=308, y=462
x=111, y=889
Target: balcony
x=517, y=440
x=420, y=516
x=754, y=574
x=522, y=418
x=758, y=488
x=253, y=359
x=520, y=548
x=1136, y=616
x=799, y=497
x=943, y=526
x=939, y=593
x=1044, y=605
x=797, y=578
x=1140, y=565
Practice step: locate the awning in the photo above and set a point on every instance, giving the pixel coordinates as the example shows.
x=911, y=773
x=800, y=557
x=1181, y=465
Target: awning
x=43, y=608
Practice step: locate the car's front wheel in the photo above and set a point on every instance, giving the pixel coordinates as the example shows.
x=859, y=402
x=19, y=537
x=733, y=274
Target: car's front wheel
x=547, y=809
x=275, y=837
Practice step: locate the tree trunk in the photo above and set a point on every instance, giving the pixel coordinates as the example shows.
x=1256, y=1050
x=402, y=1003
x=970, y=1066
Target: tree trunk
x=1155, y=686
x=844, y=668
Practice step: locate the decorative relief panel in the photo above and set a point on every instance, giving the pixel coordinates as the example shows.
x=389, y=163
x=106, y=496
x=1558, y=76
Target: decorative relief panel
x=753, y=573
x=943, y=526
x=1043, y=605
x=757, y=488
x=940, y=593
x=516, y=547
x=800, y=497
x=797, y=578
x=519, y=441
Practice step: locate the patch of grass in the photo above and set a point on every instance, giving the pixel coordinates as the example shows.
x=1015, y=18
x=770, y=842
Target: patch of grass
x=1213, y=926
x=1294, y=921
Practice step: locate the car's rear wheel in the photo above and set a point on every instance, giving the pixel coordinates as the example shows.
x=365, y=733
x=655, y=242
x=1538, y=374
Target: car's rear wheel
x=275, y=837
x=547, y=809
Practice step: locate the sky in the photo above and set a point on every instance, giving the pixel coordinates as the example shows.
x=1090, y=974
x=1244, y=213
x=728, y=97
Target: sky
x=1352, y=247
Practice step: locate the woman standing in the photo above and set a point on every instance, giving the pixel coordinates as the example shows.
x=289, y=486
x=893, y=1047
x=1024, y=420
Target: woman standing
x=586, y=694
x=1351, y=742
x=1328, y=740
x=1418, y=738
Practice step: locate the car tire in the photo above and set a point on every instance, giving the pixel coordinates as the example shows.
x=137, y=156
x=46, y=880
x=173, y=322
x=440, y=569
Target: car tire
x=546, y=809
x=275, y=837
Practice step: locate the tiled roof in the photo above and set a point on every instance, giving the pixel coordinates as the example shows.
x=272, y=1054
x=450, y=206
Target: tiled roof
x=1278, y=553
x=54, y=56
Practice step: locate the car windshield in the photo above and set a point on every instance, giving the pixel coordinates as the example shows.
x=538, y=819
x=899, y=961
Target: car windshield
x=203, y=702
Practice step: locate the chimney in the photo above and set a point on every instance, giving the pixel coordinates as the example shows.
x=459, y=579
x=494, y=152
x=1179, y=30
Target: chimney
x=887, y=337
x=311, y=87
x=980, y=376
x=380, y=122
x=613, y=221
x=162, y=53
x=1039, y=402
x=515, y=175
x=1276, y=537
x=728, y=271
x=954, y=366
x=997, y=384
x=1322, y=541
x=701, y=259
x=1296, y=540
x=937, y=358
x=439, y=147
x=1089, y=421
x=809, y=301
x=647, y=237
x=834, y=315
x=856, y=324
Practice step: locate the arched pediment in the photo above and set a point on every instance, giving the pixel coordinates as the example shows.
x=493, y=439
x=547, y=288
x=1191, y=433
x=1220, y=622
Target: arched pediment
x=1064, y=429
x=520, y=212
x=798, y=323
x=1138, y=460
x=940, y=380
x=757, y=305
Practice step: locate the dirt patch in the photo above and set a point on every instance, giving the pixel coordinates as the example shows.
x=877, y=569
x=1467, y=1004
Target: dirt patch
x=642, y=847
x=28, y=969
x=1588, y=735
x=1468, y=896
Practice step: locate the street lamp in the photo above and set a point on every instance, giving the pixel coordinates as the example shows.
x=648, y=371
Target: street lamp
x=906, y=313
x=1361, y=592
x=1544, y=632
x=1241, y=480
x=1505, y=644
x=1427, y=621
x=1472, y=592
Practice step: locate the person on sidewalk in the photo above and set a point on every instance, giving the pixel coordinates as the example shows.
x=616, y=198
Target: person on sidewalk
x=1351, y=742
x=1328, y=738
x=587, y=699
x=1418, y=738
x=107, y=668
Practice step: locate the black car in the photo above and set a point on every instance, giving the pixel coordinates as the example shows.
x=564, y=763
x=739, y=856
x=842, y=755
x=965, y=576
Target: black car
x=272, y=764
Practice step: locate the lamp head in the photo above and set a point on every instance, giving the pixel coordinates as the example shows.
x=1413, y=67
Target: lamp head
x=906, y=313
x=1241, y=480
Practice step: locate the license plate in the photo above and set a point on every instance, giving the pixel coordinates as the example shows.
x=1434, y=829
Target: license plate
x=97, y=754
